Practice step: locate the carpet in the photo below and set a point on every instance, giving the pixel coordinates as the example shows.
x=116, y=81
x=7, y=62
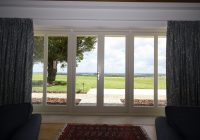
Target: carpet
x=102, y=132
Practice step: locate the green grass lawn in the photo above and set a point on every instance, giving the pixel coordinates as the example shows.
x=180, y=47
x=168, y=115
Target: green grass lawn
x=85, y=83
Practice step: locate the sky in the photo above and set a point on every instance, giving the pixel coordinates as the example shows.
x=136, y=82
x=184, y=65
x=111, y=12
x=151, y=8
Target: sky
x=114, y=59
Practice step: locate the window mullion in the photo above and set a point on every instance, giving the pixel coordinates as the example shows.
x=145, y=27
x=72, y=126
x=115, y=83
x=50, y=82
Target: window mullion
x=129, y=70
x=155, y=70
x=45, y=69
x=100, y=67
x=71, y=69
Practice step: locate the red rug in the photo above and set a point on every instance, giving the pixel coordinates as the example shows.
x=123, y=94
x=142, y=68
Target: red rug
x=102, y=132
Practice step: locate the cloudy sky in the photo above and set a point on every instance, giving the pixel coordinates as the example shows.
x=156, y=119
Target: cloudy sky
x=114, y=59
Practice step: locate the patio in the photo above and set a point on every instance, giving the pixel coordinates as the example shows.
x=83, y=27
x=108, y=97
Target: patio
x=112, y=97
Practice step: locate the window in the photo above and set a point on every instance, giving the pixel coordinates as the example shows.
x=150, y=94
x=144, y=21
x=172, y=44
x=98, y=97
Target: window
x=143, y=71
x=114, y=71
x=97, y=72
x=38, y=67
x=86, y=71
x=57, y=70
x=162, y=71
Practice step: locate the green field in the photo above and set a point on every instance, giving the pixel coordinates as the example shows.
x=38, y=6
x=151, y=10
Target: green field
x=85, y=83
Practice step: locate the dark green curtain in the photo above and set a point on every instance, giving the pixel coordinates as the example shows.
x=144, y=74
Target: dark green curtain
x=183, y=63
x=16, y=51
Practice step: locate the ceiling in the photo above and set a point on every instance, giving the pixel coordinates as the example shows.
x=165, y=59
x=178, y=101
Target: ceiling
x=100, y=15
x=179, y=1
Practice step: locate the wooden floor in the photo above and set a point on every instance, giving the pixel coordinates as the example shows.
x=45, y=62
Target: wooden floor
x=49, y=131
x=53, y=124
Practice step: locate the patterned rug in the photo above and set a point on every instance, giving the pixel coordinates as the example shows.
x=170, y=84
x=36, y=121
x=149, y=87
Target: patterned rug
x=102, y=132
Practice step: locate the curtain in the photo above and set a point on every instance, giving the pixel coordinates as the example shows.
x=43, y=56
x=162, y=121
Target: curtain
x=16, y=50
x=183, y=63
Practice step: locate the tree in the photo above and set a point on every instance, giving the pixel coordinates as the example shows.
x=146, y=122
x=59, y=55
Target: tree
x=57, y=52
x=38, y=52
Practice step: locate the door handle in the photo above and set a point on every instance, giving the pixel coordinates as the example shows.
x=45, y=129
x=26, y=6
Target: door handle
x=98, y=75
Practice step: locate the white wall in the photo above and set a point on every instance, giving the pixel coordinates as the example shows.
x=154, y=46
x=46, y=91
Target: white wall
x=100, y=14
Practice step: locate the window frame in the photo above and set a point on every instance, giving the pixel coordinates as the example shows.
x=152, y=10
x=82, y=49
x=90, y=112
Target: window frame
x=100, y=109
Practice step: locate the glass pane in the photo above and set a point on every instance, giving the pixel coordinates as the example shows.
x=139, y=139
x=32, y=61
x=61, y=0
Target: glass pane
x=143, y=71
x=38, y=66
x=162, y=71
x=114, y=71
x=57, y=70
x=86, y=70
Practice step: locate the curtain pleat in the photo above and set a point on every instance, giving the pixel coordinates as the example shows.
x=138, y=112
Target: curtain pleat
x=16, y=50
x=183, y=63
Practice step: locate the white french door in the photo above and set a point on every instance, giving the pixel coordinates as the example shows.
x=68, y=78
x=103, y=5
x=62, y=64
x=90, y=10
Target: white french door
x=109, y=76
x=104, y=70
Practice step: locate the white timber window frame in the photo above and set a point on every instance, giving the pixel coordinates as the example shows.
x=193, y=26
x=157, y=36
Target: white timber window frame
x=100, y=109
